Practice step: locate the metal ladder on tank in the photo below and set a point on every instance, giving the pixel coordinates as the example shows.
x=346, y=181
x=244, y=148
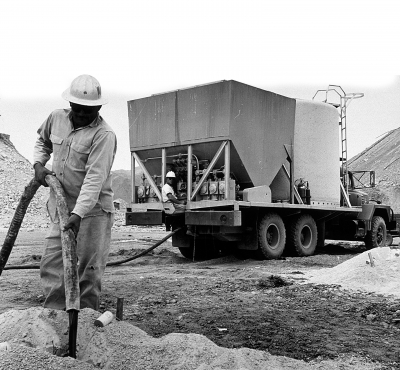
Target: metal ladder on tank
x=342, y=105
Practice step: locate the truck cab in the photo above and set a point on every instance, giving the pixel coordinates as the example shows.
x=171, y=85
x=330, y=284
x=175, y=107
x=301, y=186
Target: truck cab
x=356, y=181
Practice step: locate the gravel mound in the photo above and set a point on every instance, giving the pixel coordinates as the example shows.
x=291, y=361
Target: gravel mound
x=37, y=335
x=358, y=274
x=26, y=358
x=15, y=174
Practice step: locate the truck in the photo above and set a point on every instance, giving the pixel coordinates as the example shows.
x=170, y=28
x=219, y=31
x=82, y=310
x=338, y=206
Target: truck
x=262, y=173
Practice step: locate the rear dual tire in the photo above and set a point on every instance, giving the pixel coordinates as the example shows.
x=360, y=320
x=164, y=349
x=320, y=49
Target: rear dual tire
x=271, y=237
x=303, y=235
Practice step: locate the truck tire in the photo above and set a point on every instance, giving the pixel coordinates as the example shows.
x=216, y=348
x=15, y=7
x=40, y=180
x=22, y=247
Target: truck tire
x=303, y=236
x=376, y=237
x=271, y=237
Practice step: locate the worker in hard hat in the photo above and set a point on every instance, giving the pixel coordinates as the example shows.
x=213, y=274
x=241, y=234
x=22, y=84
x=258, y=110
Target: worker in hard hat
x=83, y=147
x=172, y=205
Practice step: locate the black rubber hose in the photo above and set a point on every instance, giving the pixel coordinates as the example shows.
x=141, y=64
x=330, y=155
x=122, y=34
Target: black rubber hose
x=28, y=194
x=154, y=246
x=145, y=251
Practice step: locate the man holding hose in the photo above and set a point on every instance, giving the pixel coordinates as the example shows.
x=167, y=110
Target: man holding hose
x=83, y=146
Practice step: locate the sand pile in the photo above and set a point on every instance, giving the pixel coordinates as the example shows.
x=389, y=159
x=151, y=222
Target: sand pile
x=358, y=274
x=36, y=335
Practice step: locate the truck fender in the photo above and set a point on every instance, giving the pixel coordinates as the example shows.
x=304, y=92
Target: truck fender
x=370, y=210
x=367, y=212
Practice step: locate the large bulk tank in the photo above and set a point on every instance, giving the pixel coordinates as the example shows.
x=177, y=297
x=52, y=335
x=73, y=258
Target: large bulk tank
x=316, y=150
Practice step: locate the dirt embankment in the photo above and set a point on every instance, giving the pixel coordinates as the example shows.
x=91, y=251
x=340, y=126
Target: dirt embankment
x=15, y=173
x=382, y=157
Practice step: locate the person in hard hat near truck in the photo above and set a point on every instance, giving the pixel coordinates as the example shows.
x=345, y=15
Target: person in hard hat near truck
x=83, y=148
x=172, y=205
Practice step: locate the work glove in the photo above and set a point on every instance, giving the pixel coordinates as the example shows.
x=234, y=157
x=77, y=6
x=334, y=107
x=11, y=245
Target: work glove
x=73, y=223
x=41, y=172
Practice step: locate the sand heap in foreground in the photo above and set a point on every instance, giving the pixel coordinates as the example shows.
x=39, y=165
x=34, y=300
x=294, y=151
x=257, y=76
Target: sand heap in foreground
x=358, y=274
x=35, y=334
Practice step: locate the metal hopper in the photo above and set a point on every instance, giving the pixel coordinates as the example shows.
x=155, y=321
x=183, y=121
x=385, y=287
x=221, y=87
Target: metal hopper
x=258, y=124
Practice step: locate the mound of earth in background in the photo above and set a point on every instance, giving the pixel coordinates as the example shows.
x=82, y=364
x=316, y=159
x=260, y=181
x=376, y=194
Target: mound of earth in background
x=383, y=158
x=15, y=173
x=121, y=183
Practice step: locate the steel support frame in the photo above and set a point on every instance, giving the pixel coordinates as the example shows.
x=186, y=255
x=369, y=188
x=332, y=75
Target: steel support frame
x=146, y=173
x=190, y=194
x=226, y=145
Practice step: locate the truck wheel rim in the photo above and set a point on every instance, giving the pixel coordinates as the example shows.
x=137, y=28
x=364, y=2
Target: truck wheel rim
x=273, y=236
x=306, y=237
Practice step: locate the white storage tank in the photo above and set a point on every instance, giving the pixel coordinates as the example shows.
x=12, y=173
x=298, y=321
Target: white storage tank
x=317, y=150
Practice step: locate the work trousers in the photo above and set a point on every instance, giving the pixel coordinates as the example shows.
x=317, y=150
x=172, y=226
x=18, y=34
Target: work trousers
x=173, y=208
x=93, y=246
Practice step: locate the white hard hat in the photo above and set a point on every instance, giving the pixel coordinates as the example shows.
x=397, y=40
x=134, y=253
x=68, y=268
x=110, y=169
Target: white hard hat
x=84, y=90
x=170, y=174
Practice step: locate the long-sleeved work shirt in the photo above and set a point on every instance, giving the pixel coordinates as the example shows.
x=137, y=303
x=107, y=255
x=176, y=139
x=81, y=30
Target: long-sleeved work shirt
x=167, y=189
x=82, y=161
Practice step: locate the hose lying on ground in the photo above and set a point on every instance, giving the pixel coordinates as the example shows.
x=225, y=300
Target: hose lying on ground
x=114, y=263
x=154, y=246
x=29, y=192
x=140, y=254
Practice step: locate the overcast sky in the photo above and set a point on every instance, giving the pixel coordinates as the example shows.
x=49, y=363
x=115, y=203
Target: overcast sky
x=139, y=48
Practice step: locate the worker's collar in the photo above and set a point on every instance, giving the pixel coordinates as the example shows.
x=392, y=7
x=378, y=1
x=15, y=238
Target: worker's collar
x=94, y=123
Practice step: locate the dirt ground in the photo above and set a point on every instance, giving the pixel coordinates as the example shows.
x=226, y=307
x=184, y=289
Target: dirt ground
x=233, y=300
